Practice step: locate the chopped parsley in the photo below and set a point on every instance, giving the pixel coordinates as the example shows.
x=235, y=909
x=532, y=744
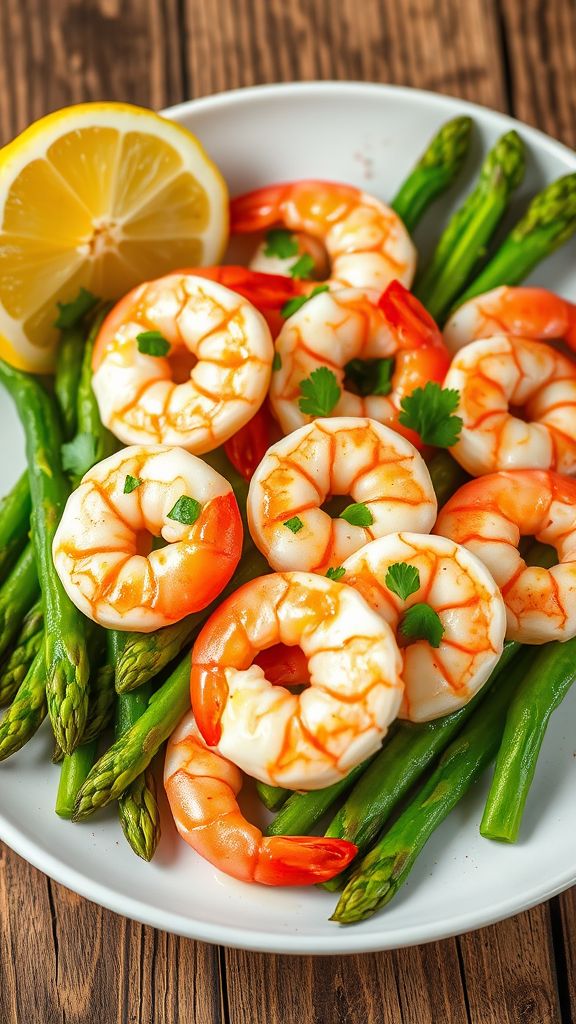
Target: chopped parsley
x=186, y=510
x=294, y=524
x=320, y=392
x=131, y=483
x=402, y=580
x=429, y=411
x=357, y=514
x=421, y=622
x=337, y=573
x=152, y=343
x=280, y=242
x=303, y=267
x=79, y=455
x=71, y=313
x=293, y=305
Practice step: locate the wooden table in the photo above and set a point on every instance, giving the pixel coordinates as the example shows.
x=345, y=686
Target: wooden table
x=63, y=959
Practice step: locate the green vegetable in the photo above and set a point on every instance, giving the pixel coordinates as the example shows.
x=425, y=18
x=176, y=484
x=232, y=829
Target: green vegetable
x=320, y=392
x=336, y=573
x=293, y=305
x=402, y=580
x=357, y=514
x=152, y=343
x=27, y=711
x=377, y=878
x=137, y=805
x=72, y=313
x=65, y=627
x=468, y=233
x=186, y=510
x=369, y=376
x=302, y=811
x=73, y=773
x=17, y=596
x=436, y=170
x=446, y=475
x=14, y=523
x=133, y=751
x=400, y=764
x=280, y=242
x=79, y=455
x=131, y=483
x=26, y=647
x=421, y=622
x=303, y=267
x=294, y=524
x=550, y=674
x=68, y=369
x=428, y=411
x=548, y=223
x=102, y=443
x=272, y=796
x=276, y=362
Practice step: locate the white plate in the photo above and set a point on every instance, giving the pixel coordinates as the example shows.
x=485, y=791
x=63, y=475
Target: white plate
x=369, y=135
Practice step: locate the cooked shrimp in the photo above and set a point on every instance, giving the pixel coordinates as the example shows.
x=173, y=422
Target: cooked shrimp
x=500, y=374
x=459, y=588
x=102, y=548
x=349, y=330
x=303, y=245
x=490, y=515
x=202, y=788
x=523, y=312
x=365, y=240
x=360, y=457
x=304, y=741
x=217, y=345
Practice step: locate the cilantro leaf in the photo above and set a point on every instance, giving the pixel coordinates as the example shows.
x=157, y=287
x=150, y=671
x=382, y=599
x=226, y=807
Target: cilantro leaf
x=303, y=266
x=336, y=573
x=186, y=510
x=280, y=242
x=421, y=622
x=152, y=343
x=276, y=362
x=402, y=580
x=79, y=455
x=131, y=483
x=293, y=305
x=320, y=392
x=71, y=313
x=294, y=524
x=369, y=376
x=357, y=514
x=428, y=411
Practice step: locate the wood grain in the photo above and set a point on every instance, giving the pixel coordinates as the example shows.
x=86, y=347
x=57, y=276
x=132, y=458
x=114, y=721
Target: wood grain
x=63, y=959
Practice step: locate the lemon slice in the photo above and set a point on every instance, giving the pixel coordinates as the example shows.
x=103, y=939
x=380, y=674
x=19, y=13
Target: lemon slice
x=104, y=196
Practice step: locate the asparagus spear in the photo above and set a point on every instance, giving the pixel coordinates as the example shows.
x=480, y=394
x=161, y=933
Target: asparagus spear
x=137, y=805
x=99, y=442
x=68, y=368
x=551, y=674
x=17, y=596
x=435, y=171
x=73, y=772
x=14, y=523
x=27, y=711
x=548, y=223
x=469, y=231
x=65, y=627
x=382, y=871
x=273, y=797
x=302, y=811
x=133, y=751
x=26, y=647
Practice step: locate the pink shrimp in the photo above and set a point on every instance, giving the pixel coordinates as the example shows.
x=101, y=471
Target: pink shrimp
x=523, y=312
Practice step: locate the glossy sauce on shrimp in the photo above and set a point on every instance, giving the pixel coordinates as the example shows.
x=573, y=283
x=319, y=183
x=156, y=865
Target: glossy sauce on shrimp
x=523, y=312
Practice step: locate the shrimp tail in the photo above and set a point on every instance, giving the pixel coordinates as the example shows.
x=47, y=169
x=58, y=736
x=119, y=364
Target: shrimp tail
x=209, y=692
x=257, y=210
x=302, y=860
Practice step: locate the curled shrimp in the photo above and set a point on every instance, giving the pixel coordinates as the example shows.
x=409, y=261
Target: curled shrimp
x=268, y=292
x=102, y=549
x=344, y=455
x=497, y=375
x=459, y=588
x=523, y=312
x=365, y=240
x=489, y=515
x=202, y=787
x=303, y=741
x=378, y=348
x=211, y=379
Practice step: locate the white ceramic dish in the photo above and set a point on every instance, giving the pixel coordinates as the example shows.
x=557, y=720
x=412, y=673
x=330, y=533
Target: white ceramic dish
x=369, y=135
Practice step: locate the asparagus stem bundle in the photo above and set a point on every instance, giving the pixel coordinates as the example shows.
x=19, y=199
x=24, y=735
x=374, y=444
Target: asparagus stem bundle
x=380, y=874
x=548, y=223
x=469, y=231
x=89, y=423
x=17, y=596
x=27, y=711
x=302, y=811
x=14, y=523
x=137, y=805
x=551, y=673
x=437, y=168
x=65, y=627
x=26, y=647
x=133, y=751
x=66, y=381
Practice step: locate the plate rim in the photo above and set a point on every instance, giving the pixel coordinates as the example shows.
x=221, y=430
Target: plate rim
x=343, y=941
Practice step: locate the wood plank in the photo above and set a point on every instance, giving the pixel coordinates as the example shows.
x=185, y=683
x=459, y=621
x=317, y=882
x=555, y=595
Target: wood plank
x=541, y=47
x=65, y=960
x=66, y=52
x=447, y=46
x=510, y=973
